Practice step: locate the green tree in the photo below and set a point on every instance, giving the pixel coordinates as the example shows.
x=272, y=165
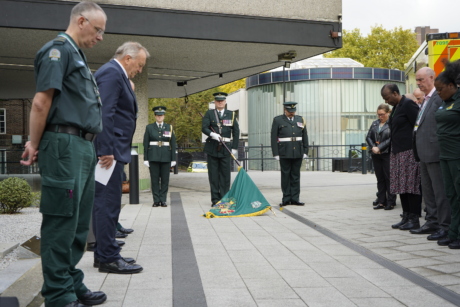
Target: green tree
x=381, y=48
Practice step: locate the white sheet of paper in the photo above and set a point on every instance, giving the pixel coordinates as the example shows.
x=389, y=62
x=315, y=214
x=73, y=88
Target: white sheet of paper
x=103, y=175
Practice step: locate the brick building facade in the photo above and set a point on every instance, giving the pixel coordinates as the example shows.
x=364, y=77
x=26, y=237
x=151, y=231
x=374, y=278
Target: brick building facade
x=14, y=133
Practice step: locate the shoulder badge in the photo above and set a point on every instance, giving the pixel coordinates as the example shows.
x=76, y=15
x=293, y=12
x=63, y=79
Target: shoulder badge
x=59, y=40
x=55, y=55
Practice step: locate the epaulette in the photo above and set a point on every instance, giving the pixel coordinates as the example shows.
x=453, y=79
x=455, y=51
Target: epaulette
x=277, y=117
x=59, y=40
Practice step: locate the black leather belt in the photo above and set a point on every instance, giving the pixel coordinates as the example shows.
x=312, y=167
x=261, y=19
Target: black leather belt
x=71, y=130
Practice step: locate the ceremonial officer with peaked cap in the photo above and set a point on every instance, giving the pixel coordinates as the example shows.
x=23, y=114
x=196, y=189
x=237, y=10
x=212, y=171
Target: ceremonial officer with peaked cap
x=226, y=125
x=289, y=142
x=159, y=155
x=64, y=120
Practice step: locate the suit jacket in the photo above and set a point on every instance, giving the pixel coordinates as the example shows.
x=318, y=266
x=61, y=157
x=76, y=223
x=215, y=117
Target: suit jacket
x=382, y=137
x=156, y=153
x=426, y=139
x=119, y=112
x=282, y=127
x=229, y=128
x=402, y=121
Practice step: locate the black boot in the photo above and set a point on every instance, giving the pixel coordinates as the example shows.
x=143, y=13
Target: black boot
x=412, y=223
x=405, y=218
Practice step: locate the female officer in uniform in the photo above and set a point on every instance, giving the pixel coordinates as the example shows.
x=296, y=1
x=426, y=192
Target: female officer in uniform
x=159, y=155
x=448, y=131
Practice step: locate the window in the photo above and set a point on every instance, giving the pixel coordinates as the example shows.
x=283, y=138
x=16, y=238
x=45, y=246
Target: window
x=2, y=162
x=2, y=121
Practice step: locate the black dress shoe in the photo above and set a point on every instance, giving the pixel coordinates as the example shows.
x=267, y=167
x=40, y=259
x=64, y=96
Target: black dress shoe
x=156, y=204
x=75, y=304
x=405, y=218
x=120, y=235
x=92, y=298
x=120, y=243
x=90, y=247
x=284, y=203
x=412, y=223
x=119, y=267
x=455, y=245
x=445, y=242
x=213, y=204
x=128, y=260
x=297, y=203
x=425, y=229
x=438, y=235
x=390, y=206
x=379, y=206
x=164, y=204
x=126, y=230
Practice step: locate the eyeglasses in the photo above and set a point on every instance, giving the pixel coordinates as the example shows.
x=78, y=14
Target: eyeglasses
x=100, y=32
x=381, y=114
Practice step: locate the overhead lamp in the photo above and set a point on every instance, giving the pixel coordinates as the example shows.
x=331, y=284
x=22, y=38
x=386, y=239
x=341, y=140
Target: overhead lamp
x=287, y=57
x=287, y=64
x=182, y=83
x=220, y=76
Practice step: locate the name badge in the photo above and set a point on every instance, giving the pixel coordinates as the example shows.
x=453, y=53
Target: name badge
x=300, y=125
x=227, y=122
x=167, y=134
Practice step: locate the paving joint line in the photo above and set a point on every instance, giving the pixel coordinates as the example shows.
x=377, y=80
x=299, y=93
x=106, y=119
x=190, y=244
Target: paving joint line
x=420, y=281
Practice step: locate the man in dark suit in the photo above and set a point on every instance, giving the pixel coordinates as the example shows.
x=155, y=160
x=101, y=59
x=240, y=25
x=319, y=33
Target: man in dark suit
x=113, y=145
x=427, y=148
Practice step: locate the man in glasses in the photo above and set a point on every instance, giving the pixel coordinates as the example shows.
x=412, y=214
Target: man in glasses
x=64, y=120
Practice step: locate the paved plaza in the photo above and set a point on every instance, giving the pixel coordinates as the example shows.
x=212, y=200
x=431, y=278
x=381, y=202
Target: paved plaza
x=334, y=251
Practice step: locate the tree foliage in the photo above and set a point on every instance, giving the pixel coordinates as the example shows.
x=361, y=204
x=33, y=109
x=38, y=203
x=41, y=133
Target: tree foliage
x=381, y=48
x=186, y=122
x=15, y=194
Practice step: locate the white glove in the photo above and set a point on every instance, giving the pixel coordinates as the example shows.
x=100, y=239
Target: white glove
x=173, y=163
x=277, y=158
x=235, y=153
x=304, y=156
x=146, y=163
x=215, y=136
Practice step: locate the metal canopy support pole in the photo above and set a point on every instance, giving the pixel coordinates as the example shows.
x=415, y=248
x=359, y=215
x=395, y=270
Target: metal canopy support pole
x=284, y=84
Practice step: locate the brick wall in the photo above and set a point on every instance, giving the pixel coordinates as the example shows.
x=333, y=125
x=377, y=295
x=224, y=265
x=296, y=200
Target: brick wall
x=17, y=121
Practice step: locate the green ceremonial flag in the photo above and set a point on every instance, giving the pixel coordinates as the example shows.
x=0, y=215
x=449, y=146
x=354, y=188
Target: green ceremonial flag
x=243, y=199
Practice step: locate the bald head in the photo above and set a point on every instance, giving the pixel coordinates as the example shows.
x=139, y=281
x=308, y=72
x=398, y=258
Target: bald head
x=419, y=95
x=411, y=97
x=425, y=79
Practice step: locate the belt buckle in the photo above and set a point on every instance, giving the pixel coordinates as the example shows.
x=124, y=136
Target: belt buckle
x=294, y=139
x=159, y=144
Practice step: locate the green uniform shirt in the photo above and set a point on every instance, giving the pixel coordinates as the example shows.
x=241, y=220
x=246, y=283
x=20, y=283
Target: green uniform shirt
x=282, y=127
x=155, y=153
x=61, y=65
x=448, y=128
x=229, y=127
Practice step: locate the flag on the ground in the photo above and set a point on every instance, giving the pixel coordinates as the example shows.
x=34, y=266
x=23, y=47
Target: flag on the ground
x=243, y=199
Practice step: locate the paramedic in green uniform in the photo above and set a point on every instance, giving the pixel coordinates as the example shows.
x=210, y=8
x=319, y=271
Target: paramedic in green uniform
x=448, y=131
x=159, y=155
x=289, y=142
x=64, y=120
x=225, y=124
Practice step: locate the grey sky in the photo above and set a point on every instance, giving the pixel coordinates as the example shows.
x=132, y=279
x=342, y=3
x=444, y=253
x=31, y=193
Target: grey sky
x=443, y=15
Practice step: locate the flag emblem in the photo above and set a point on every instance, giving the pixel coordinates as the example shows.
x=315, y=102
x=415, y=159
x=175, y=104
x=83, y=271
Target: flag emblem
x=256, y=204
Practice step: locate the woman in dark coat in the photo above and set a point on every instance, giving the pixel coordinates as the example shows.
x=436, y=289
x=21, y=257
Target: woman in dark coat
x=378, y=138
x=404, y=170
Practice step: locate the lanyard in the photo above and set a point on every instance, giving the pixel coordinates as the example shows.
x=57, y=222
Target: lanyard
x=421, y=112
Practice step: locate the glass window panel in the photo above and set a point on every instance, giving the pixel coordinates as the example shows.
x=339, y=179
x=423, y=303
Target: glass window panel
x=395, y=75
x=265, y=78
x=363, y=73
x=342, y=73
x=299, y=74
x=381, y=73
x=253, y=80
x=320, y=73
x=278, y=76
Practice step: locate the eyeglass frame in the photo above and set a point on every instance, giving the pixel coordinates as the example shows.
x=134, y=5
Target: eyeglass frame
x=99, y=32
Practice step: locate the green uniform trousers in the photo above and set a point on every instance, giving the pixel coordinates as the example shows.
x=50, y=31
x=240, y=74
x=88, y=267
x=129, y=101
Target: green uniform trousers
x=67, y=165
x=290, y=178
x=159, y=171
x=219, y=176
x=451, y=177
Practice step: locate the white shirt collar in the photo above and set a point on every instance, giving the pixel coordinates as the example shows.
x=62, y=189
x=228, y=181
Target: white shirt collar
x=158, y=124
x=430, y=94
x=122, y=68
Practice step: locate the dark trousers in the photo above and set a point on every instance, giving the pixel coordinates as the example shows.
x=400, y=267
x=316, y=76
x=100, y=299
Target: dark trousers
x=67, y=164
x=106, y=210
x=290, y=179
x=382, y=172
x=436, y=202
x=451, y=176
x=411, y=203
x=219, y=176
x=159, y=180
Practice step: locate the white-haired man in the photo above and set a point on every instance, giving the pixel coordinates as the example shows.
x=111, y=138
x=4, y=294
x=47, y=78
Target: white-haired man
x=113, y=145
x=65, y=117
